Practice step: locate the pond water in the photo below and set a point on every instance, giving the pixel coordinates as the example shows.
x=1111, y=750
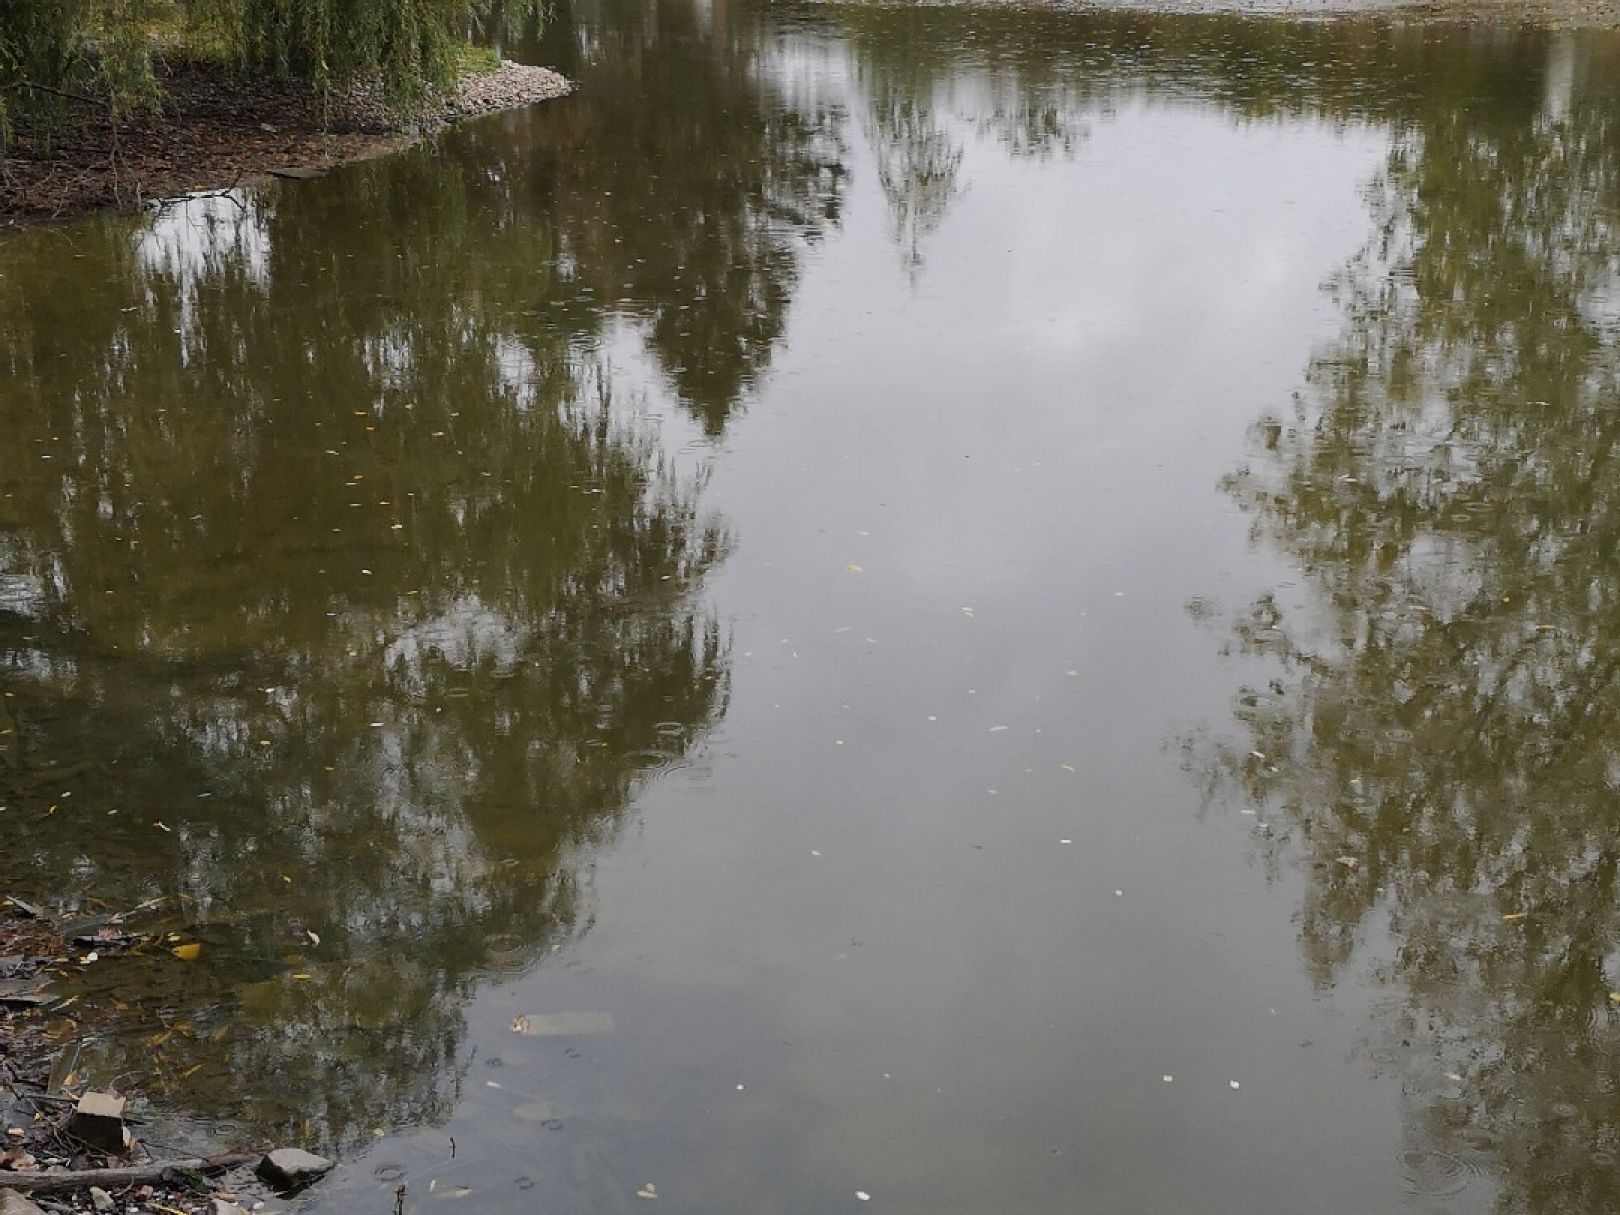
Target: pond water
x=935, y=609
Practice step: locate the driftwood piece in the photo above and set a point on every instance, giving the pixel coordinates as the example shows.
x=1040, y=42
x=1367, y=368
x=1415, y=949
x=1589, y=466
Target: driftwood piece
x=109, y=1179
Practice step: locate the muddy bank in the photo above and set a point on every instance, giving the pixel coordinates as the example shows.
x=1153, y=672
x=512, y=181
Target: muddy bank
x=217, y=131
x=69, y=1142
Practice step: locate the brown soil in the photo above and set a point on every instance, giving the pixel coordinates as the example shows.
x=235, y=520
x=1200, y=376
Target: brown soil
x=214, y=131
x=217, y=130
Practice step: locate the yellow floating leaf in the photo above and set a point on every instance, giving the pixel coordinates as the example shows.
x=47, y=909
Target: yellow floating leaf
x=189, y=952
x=1514, y=915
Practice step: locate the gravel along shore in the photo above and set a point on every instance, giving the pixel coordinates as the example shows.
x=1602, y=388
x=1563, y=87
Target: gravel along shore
x=507, y=87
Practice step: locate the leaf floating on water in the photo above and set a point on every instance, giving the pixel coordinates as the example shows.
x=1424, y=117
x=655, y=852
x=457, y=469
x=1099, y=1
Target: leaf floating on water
x=189, y=952
x=552, y=1025
x=1349, y=862
x=1234, y=1084
x=1514, y=915
x=853, y=569
x=863, y=1196
x=648, y=1191
x=535, y=1111
x=1615, y=996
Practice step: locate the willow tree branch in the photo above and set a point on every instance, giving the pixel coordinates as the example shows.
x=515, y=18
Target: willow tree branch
x=55, y=92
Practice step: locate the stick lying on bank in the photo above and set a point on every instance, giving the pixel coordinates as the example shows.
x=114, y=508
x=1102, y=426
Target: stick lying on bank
x=139, y=1174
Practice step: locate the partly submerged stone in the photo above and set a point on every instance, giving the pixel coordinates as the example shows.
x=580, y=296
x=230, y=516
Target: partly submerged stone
x=292, y=1168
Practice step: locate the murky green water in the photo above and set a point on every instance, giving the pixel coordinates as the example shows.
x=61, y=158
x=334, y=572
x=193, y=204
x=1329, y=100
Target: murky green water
x=998, y=610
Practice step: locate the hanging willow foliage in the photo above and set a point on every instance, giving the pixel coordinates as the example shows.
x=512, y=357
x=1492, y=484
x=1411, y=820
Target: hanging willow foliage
x=100, y=51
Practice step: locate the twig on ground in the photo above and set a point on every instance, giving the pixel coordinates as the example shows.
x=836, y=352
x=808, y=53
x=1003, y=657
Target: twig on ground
x=142, y=1174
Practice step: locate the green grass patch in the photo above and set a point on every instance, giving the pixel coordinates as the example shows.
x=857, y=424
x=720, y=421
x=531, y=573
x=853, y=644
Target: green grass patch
x=475, y=60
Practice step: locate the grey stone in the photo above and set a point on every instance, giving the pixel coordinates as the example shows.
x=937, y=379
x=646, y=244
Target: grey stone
x=292, y=1168
x=221, y=1207
x=98, y=1123
x=102, y=1201
x=13, y=1203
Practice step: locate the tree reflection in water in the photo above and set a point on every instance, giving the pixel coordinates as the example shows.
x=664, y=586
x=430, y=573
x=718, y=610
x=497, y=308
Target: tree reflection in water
x=337, y=602
x=1438, y=737
x=340, y=552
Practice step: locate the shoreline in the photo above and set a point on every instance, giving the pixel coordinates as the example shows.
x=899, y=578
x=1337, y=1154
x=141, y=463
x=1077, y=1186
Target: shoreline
x=217, y=131
x=66, y=1144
